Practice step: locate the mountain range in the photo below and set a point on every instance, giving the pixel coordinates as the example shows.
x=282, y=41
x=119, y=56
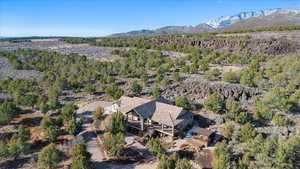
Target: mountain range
x=244, y=20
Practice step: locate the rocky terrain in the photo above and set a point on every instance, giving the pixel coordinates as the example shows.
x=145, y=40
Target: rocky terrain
x=199, y=89
x=92, y=52
x=252, y=46
x=6, y=70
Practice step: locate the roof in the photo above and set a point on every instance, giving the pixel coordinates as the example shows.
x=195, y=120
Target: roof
x=157, y=110
x=166, y=114
x=129, y=103
x=202, y=131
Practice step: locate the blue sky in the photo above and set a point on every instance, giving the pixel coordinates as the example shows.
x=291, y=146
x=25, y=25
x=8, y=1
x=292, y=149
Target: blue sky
x=100, y=17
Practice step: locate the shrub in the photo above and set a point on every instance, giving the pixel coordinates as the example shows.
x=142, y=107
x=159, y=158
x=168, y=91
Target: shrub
x=213, y=74
x=176, y=76
x=49, y=157
x=280, y=120
x=228, y=130
x=231, y=77
x=3, y=149
x=156, y=92
x=50, y=128
x=114, y=91
x=118, y=123
x=214, y=103
x=98, y=113
x=155, y=147
x=89, y=88
x=242, y=118
x=81, y=158
x=114, y=144
x=136, y=88
x=247, y=78
x=8, y=110
x=247, y=132
x=222, y=154
x=73, y=127
x=182, y=102
x=183, y=164
x=68, y=111
x=17, y=147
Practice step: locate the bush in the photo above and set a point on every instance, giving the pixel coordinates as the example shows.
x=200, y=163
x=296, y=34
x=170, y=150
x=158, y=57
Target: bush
x=156, y=92
x=98, y=113
x=155, y=147
x=280, y=120
x=3, y=149
x=173, y=162
x=182, y=102
x=247, y=132
x=8, y=110
x=81, y=158
x=89, y=88
x=136, y=88
x=214, y=103
x=118, y=123
x=231, y=77
x=49, y=157
x=68, y=112
x=114, y=92
x=228, y=130
x=114, y=144
x=213, y=74
x=73, y=127
x=50, y=128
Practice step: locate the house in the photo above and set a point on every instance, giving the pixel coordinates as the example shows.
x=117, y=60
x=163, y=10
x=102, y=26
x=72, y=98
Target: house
x=156, y=114
x=200, y=137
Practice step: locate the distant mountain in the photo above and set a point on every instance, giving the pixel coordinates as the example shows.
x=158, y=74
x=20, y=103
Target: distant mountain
x=228, y=20
x=167, y=30
x=243, y=20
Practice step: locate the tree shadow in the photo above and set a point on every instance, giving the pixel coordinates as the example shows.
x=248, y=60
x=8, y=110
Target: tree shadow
x=15, y=163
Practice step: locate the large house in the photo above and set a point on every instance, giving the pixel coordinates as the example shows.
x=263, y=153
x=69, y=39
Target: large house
x=154, y=114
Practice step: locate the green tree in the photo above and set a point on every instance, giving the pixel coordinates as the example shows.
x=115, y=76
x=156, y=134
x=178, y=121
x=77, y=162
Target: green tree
x=89, y=88
x=118, y=123
x=43, y=107
x=81, y=158
x=182, y=102
x=73, y=126
x=183, y=164
x=17, y=147
x=280, y=120
x=53, y=98
x=3, y=149
x=136, y=88
x=156, y=92
x=247, y=132
x=155, y=147
x=49, y=157
x=114, y=144
x=68, y=111
x=214, y=103
x=222, y=155
x=8, y=110
x=228, y=130
x=114, y=91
